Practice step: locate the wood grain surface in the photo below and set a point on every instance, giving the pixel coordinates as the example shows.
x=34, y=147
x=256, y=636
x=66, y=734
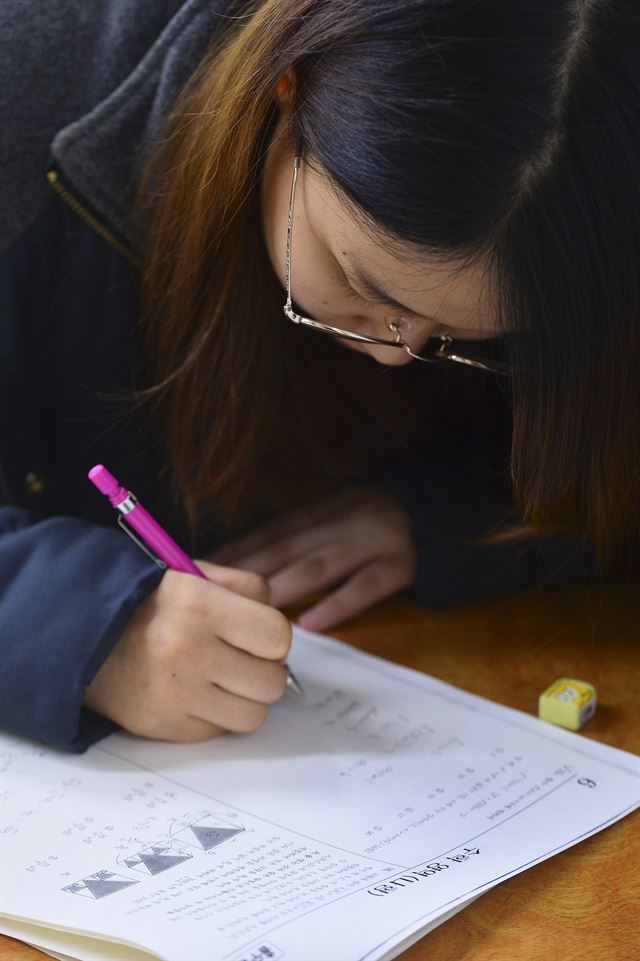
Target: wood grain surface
x=583, y=904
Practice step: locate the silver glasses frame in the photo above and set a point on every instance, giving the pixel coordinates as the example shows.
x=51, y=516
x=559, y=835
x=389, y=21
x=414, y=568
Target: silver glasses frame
x=438, y=348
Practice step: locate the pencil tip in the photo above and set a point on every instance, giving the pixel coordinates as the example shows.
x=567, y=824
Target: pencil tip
x=294, y=685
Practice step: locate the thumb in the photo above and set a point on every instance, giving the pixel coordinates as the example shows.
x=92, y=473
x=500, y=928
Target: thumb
x=241, y=582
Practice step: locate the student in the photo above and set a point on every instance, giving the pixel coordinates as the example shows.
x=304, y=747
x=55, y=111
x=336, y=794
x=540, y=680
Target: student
x=466, y=188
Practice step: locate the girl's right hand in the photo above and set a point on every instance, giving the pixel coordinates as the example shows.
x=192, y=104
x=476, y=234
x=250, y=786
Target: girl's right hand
x=199, y=657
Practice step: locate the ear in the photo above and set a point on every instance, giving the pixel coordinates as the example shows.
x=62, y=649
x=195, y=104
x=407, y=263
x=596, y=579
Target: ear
x=285, y=89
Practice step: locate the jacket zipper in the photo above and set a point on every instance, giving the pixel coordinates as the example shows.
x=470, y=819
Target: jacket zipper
x=108, y=235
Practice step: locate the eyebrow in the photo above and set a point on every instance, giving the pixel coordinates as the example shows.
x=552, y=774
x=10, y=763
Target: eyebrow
x=370, y=287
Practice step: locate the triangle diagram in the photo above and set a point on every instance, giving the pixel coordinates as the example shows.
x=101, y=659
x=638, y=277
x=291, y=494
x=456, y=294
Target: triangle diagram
x=210, y=837
x=157, y=863
x=100, y=889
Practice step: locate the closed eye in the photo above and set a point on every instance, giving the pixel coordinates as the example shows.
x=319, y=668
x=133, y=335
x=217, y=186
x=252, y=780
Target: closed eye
x=353, y=294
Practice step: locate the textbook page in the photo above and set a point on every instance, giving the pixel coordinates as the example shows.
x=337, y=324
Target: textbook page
x=54, y=942
x=354, y=819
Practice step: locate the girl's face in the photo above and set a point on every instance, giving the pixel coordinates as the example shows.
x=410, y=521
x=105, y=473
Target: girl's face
x=342, y=276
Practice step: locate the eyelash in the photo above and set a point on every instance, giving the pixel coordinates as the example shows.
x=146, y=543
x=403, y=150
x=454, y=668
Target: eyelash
x=354, y=295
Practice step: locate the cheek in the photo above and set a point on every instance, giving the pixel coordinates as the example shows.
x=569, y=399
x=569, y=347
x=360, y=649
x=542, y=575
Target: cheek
x=314, y=286
x=271, y=234
x=317, y=291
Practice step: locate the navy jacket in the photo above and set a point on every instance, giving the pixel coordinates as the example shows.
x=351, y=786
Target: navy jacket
x=84, y=91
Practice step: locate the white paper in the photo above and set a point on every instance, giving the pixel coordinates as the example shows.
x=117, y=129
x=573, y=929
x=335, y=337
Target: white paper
x=350, y=822
x=87, y=949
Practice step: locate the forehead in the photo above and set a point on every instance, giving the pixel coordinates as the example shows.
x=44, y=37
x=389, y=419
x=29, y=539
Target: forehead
x=457, y=293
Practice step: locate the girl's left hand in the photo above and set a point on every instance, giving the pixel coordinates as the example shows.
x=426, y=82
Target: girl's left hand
x=358, y=543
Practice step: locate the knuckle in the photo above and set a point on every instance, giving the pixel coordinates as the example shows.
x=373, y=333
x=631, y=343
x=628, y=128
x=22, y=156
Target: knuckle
x=337, y=608
x=169, y=646
x=252, y=718
x=186, y=598
x=178, y=645
x=316, y=567
x=257, y=586
x=286, y=550
x=173, y=646
x=371, y=582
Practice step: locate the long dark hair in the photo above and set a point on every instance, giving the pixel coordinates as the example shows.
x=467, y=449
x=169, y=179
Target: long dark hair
x=475, y=129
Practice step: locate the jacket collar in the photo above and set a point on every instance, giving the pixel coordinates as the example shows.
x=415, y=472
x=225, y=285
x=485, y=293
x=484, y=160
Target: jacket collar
x=102, y=154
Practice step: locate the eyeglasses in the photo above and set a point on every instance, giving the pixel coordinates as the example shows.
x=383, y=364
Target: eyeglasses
x=439, y=347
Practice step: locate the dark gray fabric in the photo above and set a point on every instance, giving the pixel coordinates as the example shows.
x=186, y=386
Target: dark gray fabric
x=98, y=78
x=69, y=579
x=90, y=82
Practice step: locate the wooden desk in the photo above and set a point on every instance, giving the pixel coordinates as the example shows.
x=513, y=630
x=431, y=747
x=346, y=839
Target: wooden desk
x=583, y=904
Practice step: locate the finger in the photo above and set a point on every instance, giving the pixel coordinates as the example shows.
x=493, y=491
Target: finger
x=229, y=711
x=247, y=676
x=246, y=583
x=278, y=554
x=210, y=611
x=316, y=571
x=255, y=540
x=284, y=525
x=244, y=623
x=367, y=586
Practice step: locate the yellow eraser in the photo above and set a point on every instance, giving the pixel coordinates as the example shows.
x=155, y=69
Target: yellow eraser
x=568, y=703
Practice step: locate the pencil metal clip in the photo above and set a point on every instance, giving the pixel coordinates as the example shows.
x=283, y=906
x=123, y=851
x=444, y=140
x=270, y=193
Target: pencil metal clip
x=141, y=544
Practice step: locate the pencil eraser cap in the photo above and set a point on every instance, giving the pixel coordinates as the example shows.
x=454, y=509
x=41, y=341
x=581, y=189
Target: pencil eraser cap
x=107, y=484
x=103, y=479
x=568, y=703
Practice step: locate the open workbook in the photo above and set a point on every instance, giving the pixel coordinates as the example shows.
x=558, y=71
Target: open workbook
x=357, y=819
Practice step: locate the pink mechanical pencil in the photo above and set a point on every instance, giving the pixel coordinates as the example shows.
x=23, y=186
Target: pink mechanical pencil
x=149, y=535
